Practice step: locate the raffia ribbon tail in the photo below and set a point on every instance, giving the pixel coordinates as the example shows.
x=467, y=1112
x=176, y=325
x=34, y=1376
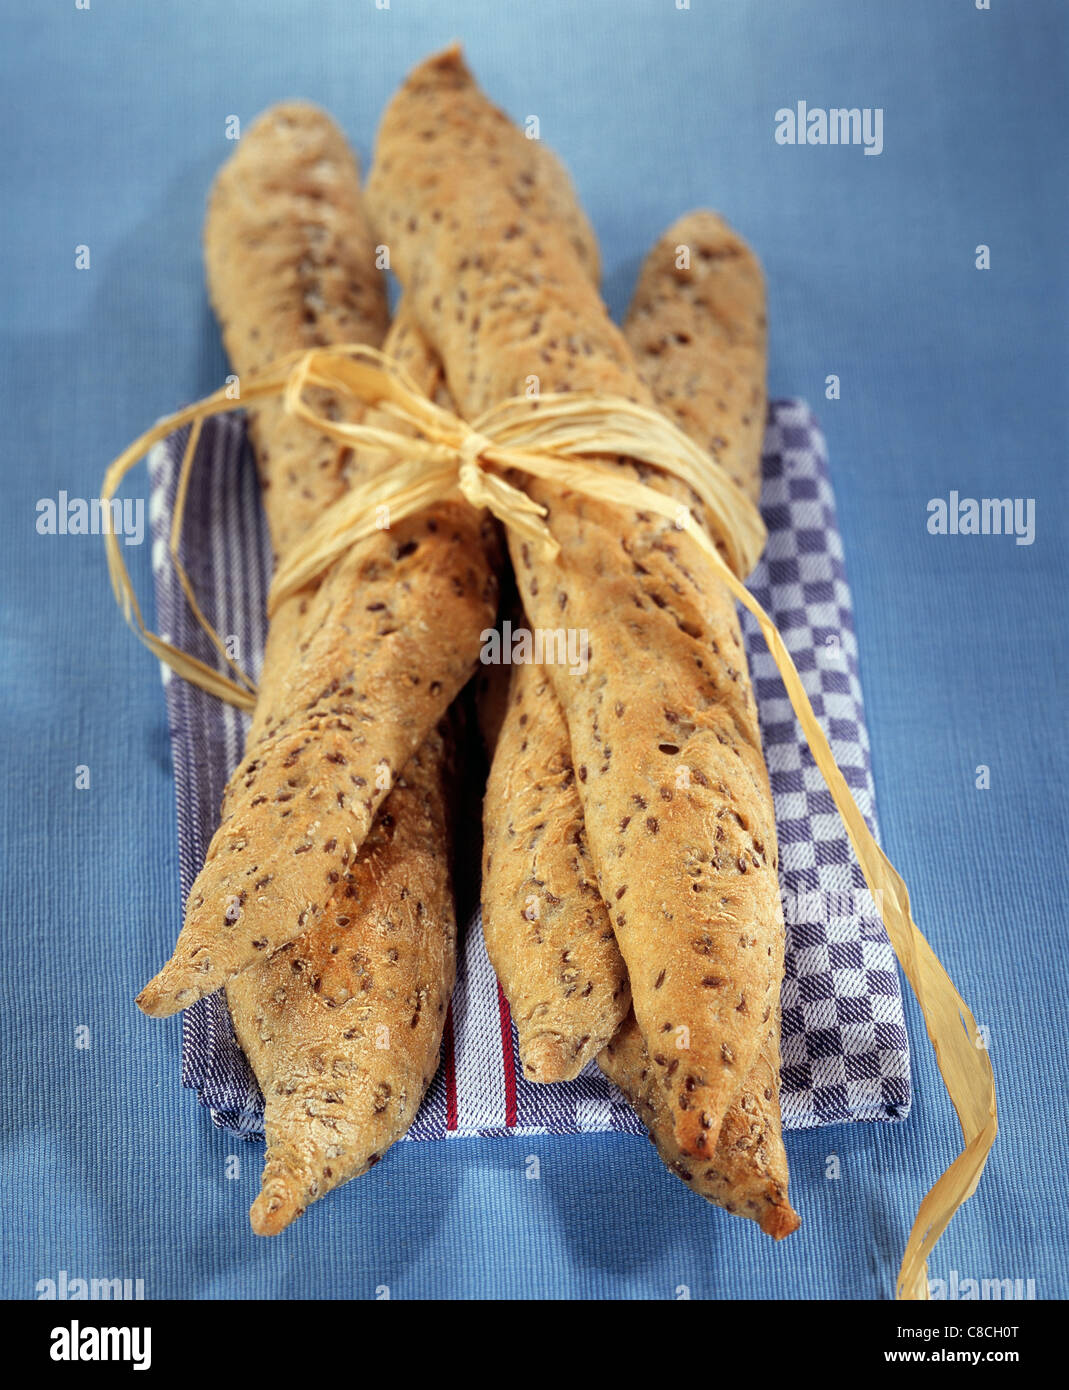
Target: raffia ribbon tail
x=436, y=455
x=960, y=1052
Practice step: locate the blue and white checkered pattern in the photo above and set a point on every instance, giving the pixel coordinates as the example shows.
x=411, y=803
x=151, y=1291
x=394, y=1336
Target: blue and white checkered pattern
x=845, y=1051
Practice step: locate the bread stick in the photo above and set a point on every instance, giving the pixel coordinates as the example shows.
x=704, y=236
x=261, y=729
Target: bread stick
x=697, y=327
x=390, y=635
x=698, y=337
x=546, y=929
x=343, y=1026
x=663, y=725
x=746, y=1173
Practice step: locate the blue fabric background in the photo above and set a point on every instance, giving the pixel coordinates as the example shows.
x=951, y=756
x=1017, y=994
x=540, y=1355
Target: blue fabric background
x=951, y=378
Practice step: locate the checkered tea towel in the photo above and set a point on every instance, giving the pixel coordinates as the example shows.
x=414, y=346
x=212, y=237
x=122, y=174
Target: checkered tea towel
x=845, y=1051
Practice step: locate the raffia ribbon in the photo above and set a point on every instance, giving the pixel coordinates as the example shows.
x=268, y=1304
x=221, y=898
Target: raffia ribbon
x=436, y=455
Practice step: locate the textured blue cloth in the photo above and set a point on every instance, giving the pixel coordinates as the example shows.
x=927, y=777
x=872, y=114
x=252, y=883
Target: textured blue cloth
x=951, y=378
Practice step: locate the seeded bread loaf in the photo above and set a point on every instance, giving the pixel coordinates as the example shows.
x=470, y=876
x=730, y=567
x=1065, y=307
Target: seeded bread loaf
x=360, y=668
x=690, y=339
x=696, y=325
x=544, y=925
x=546, y=929
x=343, y=1026
x=663, y=725
x=746, y=1173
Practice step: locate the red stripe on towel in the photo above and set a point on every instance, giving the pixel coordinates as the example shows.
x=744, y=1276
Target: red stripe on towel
x=507, y=1058
x=450, y=1073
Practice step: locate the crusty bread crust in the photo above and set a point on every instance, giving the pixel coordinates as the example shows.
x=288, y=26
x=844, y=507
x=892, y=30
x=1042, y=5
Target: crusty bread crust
x=343, y=1026
x=746, y=1173
x=663, y=725
x=538, y=897
x=360, y=668
x=546, y=929
x=698, y=328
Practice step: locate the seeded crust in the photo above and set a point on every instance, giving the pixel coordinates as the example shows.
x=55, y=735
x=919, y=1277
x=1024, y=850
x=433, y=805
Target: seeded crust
x=699, y=336
x=359, y=669
x=544, y=925
x=338, y=1090
x=698, y=333
x=546, y=930
x=747, y=1172
x=290, y=260
x=663, y=725
x=343, y=1026
x=688, y=339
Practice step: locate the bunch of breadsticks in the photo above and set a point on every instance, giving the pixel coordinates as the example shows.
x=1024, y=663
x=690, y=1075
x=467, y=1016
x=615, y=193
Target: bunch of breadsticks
x=630, y=895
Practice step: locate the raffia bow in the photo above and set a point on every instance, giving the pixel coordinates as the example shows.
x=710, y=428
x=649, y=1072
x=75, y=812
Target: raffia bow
x=436, y=455
x=554, y=437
